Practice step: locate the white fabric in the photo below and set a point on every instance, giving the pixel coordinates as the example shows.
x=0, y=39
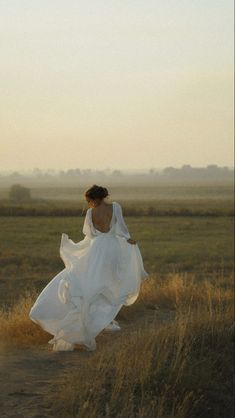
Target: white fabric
x=102, y=272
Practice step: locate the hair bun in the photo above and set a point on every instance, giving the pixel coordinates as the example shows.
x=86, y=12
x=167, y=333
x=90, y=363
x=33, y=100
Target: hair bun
x=96, y=192
x=105, y=191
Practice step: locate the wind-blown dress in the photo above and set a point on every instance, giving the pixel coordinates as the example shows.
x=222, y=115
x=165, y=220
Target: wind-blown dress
x=102, y=273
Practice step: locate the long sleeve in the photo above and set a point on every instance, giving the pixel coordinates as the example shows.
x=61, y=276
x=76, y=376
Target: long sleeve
x=121, y=228
x=87, y=225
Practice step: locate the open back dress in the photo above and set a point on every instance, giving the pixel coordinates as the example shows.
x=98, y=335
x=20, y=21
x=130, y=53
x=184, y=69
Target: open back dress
x=102, y=273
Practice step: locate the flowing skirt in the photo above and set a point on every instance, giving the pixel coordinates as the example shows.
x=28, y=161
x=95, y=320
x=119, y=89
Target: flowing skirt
x=101, y=275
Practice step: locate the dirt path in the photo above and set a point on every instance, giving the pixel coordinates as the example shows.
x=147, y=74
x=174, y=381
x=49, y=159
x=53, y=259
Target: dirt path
x=29, y=377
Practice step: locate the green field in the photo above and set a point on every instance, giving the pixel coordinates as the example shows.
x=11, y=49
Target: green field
x=179, y=228
x=136, y=200
x=181, y=326
x=135, y=193
x=30, y=247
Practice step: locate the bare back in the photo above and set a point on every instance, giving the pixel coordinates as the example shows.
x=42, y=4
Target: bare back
x=101, y=217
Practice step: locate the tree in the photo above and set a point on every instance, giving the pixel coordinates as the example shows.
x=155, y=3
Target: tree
x=117, y=173
x=19, y=193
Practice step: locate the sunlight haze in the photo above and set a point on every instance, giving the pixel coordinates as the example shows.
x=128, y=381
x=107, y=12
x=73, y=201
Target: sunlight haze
x=127, y=84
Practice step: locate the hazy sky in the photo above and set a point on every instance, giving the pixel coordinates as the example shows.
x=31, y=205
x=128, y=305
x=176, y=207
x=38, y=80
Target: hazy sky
x=115, y=83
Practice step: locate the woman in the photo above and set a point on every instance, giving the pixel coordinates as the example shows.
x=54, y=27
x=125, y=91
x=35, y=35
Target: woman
x=102, y=273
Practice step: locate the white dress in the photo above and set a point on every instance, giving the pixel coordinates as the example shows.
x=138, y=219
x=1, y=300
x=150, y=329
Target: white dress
x=102, y=273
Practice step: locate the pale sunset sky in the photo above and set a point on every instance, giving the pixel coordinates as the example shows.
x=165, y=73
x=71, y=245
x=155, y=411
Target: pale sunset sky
x=128, y=84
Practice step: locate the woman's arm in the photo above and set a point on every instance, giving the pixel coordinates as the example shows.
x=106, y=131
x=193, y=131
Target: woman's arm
x=87, y=225
x=122, y=229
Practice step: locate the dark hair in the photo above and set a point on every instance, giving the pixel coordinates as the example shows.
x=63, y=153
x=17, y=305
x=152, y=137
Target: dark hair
x=96, y=192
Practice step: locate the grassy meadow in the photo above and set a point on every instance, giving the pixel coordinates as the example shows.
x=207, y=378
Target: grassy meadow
x=30, y=247
x=172, y=359
x=174, y=355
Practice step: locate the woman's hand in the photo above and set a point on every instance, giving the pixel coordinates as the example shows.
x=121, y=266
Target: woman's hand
x=131, y=241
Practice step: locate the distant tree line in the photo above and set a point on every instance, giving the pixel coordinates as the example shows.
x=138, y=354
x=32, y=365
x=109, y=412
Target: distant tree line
x=19, y=193
x=186, y=173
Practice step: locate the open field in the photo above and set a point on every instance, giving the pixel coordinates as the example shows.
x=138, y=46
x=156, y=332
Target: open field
x=155, y=192
x=160, y=200
x=30, y=247
x=130, y=208
x=173, y=356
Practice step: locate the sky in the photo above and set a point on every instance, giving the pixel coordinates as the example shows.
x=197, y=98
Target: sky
x=127, y=84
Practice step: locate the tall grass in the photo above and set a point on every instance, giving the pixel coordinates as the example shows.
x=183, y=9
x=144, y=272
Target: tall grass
x=179, y=368
x=16, y=329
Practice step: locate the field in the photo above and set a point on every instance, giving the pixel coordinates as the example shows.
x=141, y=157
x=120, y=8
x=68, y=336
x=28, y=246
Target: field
x=172, y=358
x=30, y=247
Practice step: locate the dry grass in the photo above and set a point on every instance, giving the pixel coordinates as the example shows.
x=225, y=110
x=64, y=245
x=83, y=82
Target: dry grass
x=16, y=329
x=187, y=291
x=179, y=369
